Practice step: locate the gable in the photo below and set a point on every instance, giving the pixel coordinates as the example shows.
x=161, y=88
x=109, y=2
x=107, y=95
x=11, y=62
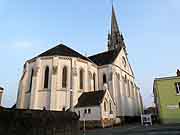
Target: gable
x=108, y=96
x=123, y=62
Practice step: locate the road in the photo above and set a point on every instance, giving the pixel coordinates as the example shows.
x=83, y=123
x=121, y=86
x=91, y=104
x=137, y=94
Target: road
x=137, y=130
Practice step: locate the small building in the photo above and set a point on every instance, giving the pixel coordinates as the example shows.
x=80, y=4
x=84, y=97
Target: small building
x=1, y=94
x=167, y=99
x=96, y=109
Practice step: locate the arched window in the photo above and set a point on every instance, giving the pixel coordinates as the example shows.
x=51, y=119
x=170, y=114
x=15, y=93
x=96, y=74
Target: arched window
x=124, y=61
x=89, y=78
x=117, y=84
x=31, y=80
x=105, y=108
x=81, y=78
x=104, y=79
x=110, y=108
x=132, y=89
x=94, y=81
x=64, y=77
x=123, y=86
x=128, y=89
x=46, y=77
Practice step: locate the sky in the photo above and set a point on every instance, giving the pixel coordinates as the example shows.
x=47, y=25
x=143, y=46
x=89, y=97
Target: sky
x=150, y=28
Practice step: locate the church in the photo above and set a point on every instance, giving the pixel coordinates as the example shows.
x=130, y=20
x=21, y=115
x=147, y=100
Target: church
x=61, y=79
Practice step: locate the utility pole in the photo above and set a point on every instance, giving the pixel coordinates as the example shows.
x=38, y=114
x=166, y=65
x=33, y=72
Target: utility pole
x=84, y=125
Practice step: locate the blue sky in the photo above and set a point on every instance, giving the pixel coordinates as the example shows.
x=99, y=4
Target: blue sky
x=150, y=28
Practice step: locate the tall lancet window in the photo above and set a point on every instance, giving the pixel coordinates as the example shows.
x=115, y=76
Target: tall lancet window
x=81, y=79
x=90, y=79
x=94, y=81
x=104, y=79
x=46, y=77
x=64, y=77
x=31, y=80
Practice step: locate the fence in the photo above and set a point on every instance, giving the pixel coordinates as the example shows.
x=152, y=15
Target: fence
x=31, y=122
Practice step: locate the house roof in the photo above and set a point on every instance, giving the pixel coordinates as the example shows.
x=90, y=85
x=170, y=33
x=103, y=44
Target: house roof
x=104, y=58
x=91, y=98
x=62, y=50
x=167, y=78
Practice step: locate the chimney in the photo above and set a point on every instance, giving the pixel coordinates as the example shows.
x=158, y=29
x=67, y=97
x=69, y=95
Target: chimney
x=178, y=72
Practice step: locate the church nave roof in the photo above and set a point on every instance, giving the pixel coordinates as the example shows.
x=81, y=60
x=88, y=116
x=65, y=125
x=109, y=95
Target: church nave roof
x=63, y=50
x=104, y=58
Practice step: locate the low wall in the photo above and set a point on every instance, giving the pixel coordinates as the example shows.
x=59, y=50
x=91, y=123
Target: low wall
x=97, y=123
x=170, y=121
x=31, y=122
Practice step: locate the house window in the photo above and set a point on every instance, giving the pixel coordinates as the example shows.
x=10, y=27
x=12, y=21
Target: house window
x=64, y=77
x=89, y=111
x=81, y=82
x=177, y=84
x=46, y=77
x=79, y=113
x=94, y=81
x=85, y=111
x=31, y=80
x=104, y=79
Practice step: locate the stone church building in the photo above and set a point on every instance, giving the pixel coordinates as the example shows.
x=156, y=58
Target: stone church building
x=55, y=79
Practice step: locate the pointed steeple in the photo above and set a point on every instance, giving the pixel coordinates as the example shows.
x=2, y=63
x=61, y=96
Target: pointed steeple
x=114, y=24
x=115, y=38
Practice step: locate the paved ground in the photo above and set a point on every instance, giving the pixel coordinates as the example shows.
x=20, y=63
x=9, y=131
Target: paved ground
x=137, y=130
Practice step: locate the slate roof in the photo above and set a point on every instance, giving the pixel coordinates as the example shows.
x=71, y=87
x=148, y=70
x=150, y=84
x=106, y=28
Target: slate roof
x=62, y=50
x=91, y=98
x=104, y=58
x=100, y=59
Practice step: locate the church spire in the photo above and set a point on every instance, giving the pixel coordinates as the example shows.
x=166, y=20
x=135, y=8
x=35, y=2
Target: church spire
x=115, y=38
x=114, y=24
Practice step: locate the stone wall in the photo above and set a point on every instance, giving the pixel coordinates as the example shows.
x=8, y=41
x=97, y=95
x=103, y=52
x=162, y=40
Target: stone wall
x=30, y=122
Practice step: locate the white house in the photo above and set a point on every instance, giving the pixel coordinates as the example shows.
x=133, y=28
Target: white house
x=56, y=78
x=96, y=109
